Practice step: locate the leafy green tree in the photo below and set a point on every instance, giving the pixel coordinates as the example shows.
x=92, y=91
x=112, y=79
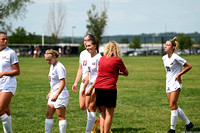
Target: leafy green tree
x=135, y=43
x=19, y=36
x=184, y=42
x=97, y=21
x=124, y=40
x=11, y=9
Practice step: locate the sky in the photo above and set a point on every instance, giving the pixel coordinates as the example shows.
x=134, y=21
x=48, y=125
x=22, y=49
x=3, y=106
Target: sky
x=125, y=17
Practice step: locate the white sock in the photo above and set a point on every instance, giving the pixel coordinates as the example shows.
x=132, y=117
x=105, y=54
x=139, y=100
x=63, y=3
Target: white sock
x=48, y=125
x=90, y=121
x=6, y=123
x=182, y=115
x=62, y=126
x=174, y=115
x=10, y=119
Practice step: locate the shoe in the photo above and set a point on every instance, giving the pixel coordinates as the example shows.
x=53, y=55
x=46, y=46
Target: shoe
x=171, y=131
x=111, y=131
x=96, y=124
x=189, y=126
x=93, y=131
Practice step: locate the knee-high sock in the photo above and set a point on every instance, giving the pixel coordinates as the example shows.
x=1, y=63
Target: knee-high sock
x=6, y=123
x=48, y=125
x=182, y=115
x=174, y=115
x=62, y=126
x=90, y=121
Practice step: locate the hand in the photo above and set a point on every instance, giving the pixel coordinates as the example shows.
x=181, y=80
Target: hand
x=74, y=88
x=47, y=97
x=178, y=78
x=54, y=98
x=83, y=92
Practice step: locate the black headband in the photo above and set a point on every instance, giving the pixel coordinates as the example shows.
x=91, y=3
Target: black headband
x=173, y=43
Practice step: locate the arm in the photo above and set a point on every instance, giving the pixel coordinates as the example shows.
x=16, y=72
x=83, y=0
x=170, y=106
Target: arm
x=124, y=73
x=78, y=76
x=61, y=87
x=14, y=72
x=186, y=69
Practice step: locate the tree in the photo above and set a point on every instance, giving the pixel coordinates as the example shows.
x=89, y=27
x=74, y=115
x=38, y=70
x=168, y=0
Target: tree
x=97, y=22
x=56, y=20
x=124, y=40
x=11, y=9
x=184, y=42
x=135, y=43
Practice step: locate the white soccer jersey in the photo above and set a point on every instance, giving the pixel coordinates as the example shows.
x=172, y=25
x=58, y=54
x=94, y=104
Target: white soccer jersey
x=173, y=67
x=93, y=66
x=8, y=57
x=56, y=73
x=84, y=57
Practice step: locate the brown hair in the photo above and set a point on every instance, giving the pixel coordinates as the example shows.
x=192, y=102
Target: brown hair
x=94, y=41
x=52, y=52
x=174, y=43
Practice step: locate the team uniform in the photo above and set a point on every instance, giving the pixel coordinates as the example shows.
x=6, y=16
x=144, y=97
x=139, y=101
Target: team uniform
x=105, y=85
x=93, y=64
x=56, y=73
x=84, y=58
x=173, y=67
x=8, y=57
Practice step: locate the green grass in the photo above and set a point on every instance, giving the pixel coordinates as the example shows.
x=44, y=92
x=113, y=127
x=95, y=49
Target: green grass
x=141, y=104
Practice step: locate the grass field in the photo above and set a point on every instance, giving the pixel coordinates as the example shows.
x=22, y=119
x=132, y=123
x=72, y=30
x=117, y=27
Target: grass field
x=141, y=105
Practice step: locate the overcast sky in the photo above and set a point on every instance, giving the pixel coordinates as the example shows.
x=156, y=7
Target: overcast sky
x=125, y=17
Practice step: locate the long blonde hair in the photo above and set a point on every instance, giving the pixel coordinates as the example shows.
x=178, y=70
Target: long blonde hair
x=112, y=49
x=174, y=43
x=52, y=52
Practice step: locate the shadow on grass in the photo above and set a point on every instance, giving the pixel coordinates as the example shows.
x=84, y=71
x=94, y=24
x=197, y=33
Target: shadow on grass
x=195, y=129
x=127, y=130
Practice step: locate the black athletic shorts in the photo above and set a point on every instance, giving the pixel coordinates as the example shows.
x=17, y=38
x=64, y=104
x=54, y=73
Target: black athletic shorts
x=106, y=97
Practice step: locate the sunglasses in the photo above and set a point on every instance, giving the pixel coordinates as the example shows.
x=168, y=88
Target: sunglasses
x=4, y=39
x=91, y=37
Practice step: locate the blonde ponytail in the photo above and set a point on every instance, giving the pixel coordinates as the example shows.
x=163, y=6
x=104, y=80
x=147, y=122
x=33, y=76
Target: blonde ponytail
x=175, y=43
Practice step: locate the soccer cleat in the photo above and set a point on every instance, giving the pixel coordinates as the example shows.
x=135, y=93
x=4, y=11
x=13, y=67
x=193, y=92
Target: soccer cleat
x=171, y=131
x=189, y=126
x=96, y=124
x=93, y=131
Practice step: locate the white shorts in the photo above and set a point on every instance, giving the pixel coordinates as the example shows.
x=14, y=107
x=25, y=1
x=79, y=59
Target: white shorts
x=174, y=88
x=12, y=90
x=59, y=103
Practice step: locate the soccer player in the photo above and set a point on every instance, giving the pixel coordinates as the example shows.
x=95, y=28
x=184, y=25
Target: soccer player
x=58, y=96
x=110, y=67
x=92, y=46
x=9, y=68
x=173, y=65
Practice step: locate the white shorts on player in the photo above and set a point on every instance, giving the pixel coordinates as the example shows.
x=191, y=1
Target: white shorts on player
x=59, y=103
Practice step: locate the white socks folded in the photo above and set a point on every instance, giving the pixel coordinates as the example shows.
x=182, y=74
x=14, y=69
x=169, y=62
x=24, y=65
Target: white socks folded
x=90, y=121
x=6, y=122
x=49, y=125
x=178, y=113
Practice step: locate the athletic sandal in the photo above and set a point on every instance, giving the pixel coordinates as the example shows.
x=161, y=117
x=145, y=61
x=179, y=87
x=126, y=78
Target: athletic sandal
x=189, y=126
x=171, y=131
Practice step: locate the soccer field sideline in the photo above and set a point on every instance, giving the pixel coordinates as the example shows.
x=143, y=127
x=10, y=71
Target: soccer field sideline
x=141, y=105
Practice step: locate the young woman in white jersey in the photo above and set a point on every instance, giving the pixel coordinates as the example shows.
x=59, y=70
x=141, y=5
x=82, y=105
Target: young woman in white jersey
x=82, y=70
x=9, y=68
x=58, y=96
x=92, y=46
x=173, y=65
